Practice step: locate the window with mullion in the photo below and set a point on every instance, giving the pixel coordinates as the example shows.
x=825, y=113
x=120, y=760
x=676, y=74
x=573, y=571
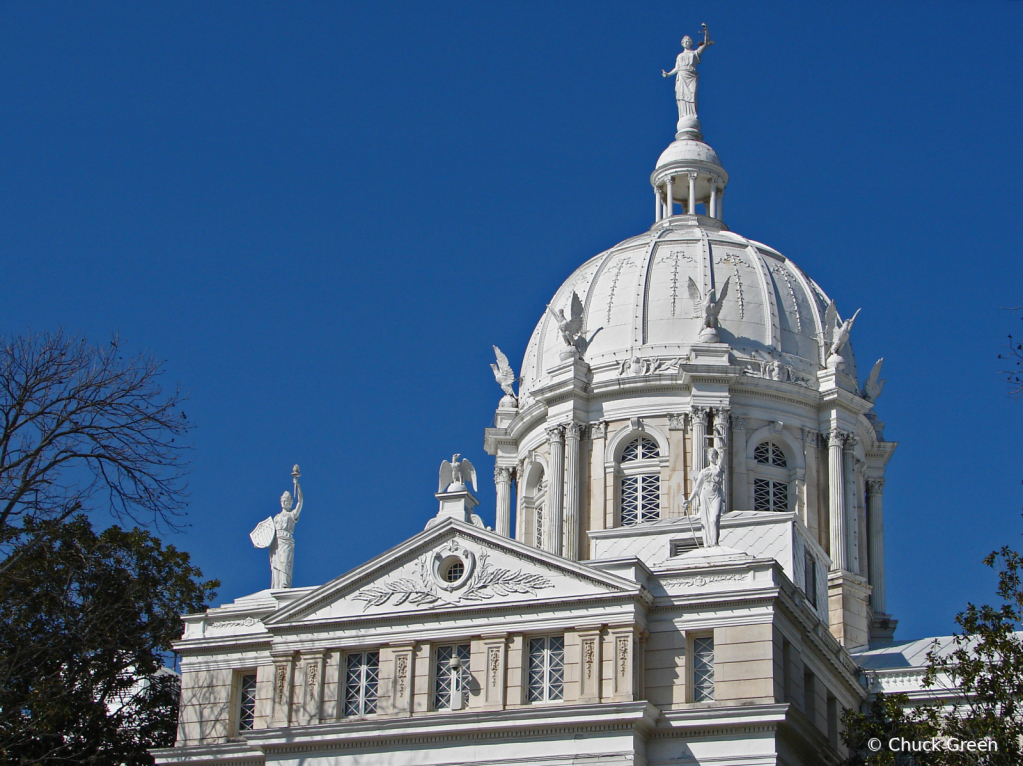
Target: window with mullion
x=546, y=668
x=703, y=669
x=442, y=690
x=362, y=676
x=247, y=702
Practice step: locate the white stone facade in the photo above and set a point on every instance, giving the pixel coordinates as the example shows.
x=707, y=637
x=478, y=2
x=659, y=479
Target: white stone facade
x=591, y=626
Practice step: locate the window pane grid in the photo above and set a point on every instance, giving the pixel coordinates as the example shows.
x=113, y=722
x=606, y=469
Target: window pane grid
x=769, y=453
x=770, y=495
x=640, y=448
x=247, y=707
x=442, y=694
x=362, y=674
x=703, y=669
x=640, y=499
x=546, y=668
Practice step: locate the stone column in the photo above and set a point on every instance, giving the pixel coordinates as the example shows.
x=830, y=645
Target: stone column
x=669, y=198
x=713, y=212
x=692, y=194
x=657, y=203
x=876, y=521
x=699, y=418
x=740, y=485
x=573, y=433
x=502, y=479
x=836, y=497
x=555, y=490
x=722, y=443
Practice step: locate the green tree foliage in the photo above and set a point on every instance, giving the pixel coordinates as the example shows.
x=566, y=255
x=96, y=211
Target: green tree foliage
x=980, y=682
x=86, y=621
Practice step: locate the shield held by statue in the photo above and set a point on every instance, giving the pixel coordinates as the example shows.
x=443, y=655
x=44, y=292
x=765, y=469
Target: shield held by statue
x=264, y=533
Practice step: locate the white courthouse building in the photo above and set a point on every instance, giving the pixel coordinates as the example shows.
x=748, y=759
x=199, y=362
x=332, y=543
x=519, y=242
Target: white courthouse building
x=597, y=623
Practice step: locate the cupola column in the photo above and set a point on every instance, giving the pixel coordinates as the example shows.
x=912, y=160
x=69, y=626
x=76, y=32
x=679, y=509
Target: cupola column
x=657, y=203
x=836, y=496
x=502, y=481
x=669, y=197
x=713, y=212
x=555, y=490
x=573, y=433
x=876, y=559
x=722, y=440
x=692, y=193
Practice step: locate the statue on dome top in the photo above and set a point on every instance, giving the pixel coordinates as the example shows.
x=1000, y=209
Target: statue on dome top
x=708, y=307
x=687, y=80
x=836, y=335
x=278, y=534
x=872, y=387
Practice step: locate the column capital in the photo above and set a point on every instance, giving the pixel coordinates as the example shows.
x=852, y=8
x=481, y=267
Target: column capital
x=597, y=430
x=676, y=421
x=836, y=437
x=875, y=486
x=574, y=430
x=811, y=436
x=694, y=174
x=503, y=473
x=699, y=414
x=739, y=422
x=556, y=434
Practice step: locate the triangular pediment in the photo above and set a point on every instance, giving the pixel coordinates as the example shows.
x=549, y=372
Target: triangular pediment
x=452, y=565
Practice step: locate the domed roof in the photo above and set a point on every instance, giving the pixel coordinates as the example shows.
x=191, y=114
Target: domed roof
x=637, y=303
x=687, y=150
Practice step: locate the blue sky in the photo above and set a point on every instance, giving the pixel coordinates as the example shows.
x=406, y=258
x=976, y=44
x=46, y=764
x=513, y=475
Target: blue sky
x=322, y=215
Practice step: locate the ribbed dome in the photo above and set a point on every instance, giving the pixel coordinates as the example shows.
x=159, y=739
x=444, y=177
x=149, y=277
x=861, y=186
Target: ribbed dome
x=636, y=303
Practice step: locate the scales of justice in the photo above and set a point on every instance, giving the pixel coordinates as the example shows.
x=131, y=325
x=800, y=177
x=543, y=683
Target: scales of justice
x=278, y=534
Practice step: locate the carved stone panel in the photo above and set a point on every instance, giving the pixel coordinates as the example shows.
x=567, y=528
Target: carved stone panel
x=494, y=676
x=589, y=666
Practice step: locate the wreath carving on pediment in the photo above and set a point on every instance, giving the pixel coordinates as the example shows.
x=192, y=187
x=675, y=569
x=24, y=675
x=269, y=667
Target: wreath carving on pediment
x=423, y=589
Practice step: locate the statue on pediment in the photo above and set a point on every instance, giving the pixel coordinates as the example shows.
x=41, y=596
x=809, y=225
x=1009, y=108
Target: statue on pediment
x=278, y=534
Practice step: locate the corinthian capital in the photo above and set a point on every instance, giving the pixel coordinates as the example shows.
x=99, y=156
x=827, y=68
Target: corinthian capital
x=555, y=434
x=875, y=486
x=503, y=473
x=676, y=422
x=836, y=437
x=699, y=415
x=574, y=430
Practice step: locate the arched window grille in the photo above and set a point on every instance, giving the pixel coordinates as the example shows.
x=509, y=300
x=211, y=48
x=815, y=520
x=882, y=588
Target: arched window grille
x=640, y=482
x=771, y=485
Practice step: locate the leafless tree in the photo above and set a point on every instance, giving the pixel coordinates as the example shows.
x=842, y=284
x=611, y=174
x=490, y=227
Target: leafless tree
x=84, y=426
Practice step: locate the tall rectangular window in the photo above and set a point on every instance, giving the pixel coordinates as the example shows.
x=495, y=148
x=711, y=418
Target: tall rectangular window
x=810, y=696
x=246, y=702
x=703, y=669
x=362, y=675
x=810, y=578
x=446, y=676
x=546, y=668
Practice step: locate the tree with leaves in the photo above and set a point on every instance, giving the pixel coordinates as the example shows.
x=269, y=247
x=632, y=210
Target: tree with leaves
x=86, y=617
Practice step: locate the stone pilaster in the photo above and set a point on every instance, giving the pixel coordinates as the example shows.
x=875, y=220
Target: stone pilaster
x=836, y=498
x=280, y=715
x=811, y=439
x=875, y=519
x=589, y=665
x=553, y=524
x=676, y=463
x=623, y=663
x=852, y=521
x=403, y=680
x=573, y=433
x=495, y=676
x=502, y=481
x=740, y=482
x=312, y=686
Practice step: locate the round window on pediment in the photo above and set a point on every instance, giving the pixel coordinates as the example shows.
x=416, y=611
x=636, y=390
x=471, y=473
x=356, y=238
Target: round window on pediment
x=453, y=569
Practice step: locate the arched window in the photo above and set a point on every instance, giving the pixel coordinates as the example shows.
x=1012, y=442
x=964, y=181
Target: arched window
x=640, y=482
x=771, y=484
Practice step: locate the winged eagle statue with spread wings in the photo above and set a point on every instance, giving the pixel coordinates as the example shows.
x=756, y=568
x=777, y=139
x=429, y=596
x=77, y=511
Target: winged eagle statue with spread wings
x=872, y=388
x=503, y=373
x=570, y=327
x=708, y=307
x=836, y=335
x=455, y=474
